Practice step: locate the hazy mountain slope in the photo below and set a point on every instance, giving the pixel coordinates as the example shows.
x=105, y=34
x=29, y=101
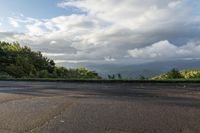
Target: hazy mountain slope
x=147, y=69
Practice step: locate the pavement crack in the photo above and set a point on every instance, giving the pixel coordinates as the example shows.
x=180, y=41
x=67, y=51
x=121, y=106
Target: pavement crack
x=31, y=130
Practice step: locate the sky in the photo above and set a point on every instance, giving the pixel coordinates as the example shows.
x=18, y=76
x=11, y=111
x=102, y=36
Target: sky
x=104, y=31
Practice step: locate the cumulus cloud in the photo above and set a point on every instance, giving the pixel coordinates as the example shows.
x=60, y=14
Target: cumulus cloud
x=166, y=50
x=132, y=14
x=114, y=31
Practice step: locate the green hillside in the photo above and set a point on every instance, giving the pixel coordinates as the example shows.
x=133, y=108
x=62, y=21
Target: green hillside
x=175, y=74
x=21, y=62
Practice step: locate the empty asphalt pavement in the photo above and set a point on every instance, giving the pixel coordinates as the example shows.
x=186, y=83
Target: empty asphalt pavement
x=81, y=107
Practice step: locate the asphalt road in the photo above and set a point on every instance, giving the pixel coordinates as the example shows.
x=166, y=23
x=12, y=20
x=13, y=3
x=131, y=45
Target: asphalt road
x=56, y=107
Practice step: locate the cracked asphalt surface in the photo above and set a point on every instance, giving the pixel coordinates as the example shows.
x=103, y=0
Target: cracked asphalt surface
x=58, y=107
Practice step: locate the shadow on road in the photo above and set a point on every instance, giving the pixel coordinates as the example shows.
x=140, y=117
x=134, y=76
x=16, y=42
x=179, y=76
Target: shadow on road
x=172, y=94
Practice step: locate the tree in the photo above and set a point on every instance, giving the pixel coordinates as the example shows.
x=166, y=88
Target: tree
x=22, y=62
x=119, y=76
x=142, y=78
x=111, y=77
x=174, y=74
x=43, y=74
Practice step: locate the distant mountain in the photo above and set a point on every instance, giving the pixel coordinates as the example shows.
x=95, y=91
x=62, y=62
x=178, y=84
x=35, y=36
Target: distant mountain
x=147, y=69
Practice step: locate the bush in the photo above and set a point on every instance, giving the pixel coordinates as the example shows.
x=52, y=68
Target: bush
x=5, y=76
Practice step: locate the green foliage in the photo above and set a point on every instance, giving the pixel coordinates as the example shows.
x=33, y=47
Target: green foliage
x=191, y=74
x=21, y=62
x=4, y=75
x=175, y=74
x=79, y=73
x=142, y=78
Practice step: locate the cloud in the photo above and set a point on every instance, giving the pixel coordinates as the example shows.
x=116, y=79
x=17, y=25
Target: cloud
x=165, y=50
x=53, y=54
x=53, y=42
x=135, y=13
x=175, y=3
x=109, y=59
x=108, y=29
x=14, y=23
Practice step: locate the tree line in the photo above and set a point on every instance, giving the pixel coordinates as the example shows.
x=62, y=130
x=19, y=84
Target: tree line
x=21, y=62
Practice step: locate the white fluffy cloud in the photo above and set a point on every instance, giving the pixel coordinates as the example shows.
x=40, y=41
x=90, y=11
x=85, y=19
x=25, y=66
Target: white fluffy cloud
x=114, y=31
x=166, y=50
x=132, y=14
